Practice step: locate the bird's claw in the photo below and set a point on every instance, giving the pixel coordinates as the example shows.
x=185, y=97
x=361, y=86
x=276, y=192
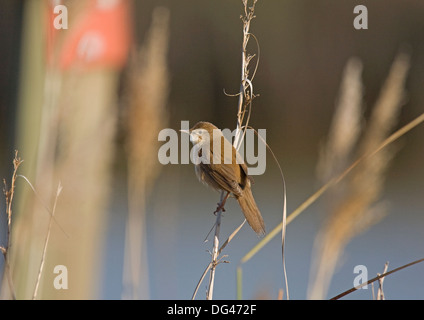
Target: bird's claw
x=219, y=208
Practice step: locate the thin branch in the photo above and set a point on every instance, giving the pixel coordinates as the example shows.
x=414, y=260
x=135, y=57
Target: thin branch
x=385, y=274
x=258, y=56
x=214, y=262
x=46, y=242
x=201, y=280
x=43, y=203
x=9, y=193
x=232, y=235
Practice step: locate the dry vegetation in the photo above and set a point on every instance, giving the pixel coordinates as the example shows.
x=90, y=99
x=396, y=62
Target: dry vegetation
x=354, y=205
x=352, y=167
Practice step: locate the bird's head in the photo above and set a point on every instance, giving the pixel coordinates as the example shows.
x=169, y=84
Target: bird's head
x=201, y=132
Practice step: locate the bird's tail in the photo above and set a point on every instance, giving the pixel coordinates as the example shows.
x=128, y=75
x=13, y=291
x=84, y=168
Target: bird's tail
x=251, y=211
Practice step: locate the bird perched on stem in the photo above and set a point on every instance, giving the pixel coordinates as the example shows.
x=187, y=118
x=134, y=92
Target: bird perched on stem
x=224, y=170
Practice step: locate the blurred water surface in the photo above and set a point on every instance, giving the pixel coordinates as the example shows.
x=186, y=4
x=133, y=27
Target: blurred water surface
x=180, y=216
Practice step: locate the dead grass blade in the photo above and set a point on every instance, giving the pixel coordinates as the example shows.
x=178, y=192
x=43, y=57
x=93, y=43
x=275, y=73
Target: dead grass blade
x=273, y=232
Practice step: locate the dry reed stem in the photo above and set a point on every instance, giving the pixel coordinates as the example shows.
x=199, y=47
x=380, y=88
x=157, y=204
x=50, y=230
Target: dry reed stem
x=215, y=250
x=232, y=235
x=9, y=193
x=245, y=99
x=385, y=274
x=46, y=242
x=380, y=292
x=355, y=209
x=246, y=96
x=245, y=93
x=147, y=95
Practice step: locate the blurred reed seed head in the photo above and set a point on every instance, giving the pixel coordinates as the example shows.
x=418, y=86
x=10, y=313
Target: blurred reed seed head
x=346, y=124
x=356, y=207
x=147, y=95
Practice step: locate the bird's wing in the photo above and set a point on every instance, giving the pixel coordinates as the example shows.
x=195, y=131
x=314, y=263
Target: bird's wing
x=221, y=176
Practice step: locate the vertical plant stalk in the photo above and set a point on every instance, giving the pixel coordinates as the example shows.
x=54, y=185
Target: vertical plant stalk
x=380, y=292
x=246, y=88
x=232, y=235
x=8, y=193
x=245, y=97
x=215, y=251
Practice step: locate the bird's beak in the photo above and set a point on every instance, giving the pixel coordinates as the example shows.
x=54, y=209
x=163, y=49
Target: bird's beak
x=186, y=131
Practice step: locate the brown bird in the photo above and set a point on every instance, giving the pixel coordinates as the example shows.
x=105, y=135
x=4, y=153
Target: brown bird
x=224, y=171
